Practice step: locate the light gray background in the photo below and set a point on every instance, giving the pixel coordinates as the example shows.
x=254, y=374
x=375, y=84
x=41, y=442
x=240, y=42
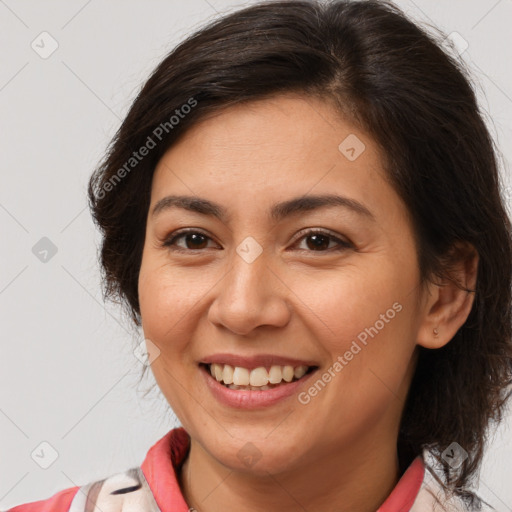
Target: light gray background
x=69, y=375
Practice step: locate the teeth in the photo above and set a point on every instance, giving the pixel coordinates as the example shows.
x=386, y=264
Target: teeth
x=275, y=375
x=227, y=374
x=256, y=379
x=240, y=376
x=300, y=371
x=218, y=372
x=288, y=373
x=249, y=388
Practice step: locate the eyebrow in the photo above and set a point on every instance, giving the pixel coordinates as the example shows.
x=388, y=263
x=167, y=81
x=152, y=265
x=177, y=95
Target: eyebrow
x=278, y=211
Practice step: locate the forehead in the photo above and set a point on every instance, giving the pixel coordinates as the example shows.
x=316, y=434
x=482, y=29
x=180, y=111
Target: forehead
x=282, y=128
x=275, y=148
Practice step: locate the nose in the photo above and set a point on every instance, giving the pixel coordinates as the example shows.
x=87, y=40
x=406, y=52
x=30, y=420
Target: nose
x=249, y=296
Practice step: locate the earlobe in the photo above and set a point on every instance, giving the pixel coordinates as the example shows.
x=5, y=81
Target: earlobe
x=449, y=302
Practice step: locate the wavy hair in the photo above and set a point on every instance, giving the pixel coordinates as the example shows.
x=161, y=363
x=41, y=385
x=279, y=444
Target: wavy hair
x=393, y=79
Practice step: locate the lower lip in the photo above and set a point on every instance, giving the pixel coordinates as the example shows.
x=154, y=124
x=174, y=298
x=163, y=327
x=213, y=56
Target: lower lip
x=252, y=399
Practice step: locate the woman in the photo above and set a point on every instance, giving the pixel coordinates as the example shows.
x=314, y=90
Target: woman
x=302, y=212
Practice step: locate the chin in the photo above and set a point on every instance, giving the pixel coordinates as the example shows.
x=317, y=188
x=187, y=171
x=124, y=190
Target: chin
x=256, y=455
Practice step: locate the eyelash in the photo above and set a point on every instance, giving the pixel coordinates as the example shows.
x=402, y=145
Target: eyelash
x=169, y=242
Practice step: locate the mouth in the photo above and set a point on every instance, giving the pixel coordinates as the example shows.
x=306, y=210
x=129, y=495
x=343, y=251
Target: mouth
x=256, y=379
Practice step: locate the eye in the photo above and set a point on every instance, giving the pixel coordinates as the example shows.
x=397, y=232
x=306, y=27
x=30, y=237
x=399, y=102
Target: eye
x=320, y=240
x=193, y=239
x=316, y=240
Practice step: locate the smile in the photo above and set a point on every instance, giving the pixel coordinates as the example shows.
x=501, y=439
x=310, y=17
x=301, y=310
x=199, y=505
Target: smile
x=257, y=379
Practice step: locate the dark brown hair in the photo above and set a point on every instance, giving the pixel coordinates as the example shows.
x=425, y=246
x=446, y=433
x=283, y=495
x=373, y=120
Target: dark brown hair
x=393, y=80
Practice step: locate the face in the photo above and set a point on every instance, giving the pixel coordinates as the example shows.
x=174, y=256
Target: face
x=299, y=252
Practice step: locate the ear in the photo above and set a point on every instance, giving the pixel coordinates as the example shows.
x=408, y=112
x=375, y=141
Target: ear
x=446, y=304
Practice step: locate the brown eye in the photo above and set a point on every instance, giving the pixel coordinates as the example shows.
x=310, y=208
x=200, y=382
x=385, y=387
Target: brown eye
x=196, y=240
x=319, y=241
x=192, y=240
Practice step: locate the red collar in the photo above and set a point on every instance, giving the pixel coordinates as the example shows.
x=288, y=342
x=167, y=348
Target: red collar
x=403, y=495
x=164, y=457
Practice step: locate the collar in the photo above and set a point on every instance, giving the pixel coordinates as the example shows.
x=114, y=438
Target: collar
x=164, y=458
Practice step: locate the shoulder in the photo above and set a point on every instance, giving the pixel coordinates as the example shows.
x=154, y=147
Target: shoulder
x=124, y=491
x=140, y=488
x=59, y=502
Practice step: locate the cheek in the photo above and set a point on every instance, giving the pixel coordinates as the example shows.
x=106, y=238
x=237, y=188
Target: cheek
x=167, y=310
x=343, y=303
x=365, y=316
x=169, y=299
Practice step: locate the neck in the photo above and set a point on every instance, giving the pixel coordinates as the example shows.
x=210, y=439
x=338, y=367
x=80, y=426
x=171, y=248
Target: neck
x=360, y=479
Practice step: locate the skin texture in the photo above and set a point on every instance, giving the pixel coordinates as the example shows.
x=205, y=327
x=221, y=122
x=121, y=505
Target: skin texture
x=338, y=452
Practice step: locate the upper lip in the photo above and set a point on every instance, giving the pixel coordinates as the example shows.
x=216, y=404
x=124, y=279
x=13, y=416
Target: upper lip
x=256, y=361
